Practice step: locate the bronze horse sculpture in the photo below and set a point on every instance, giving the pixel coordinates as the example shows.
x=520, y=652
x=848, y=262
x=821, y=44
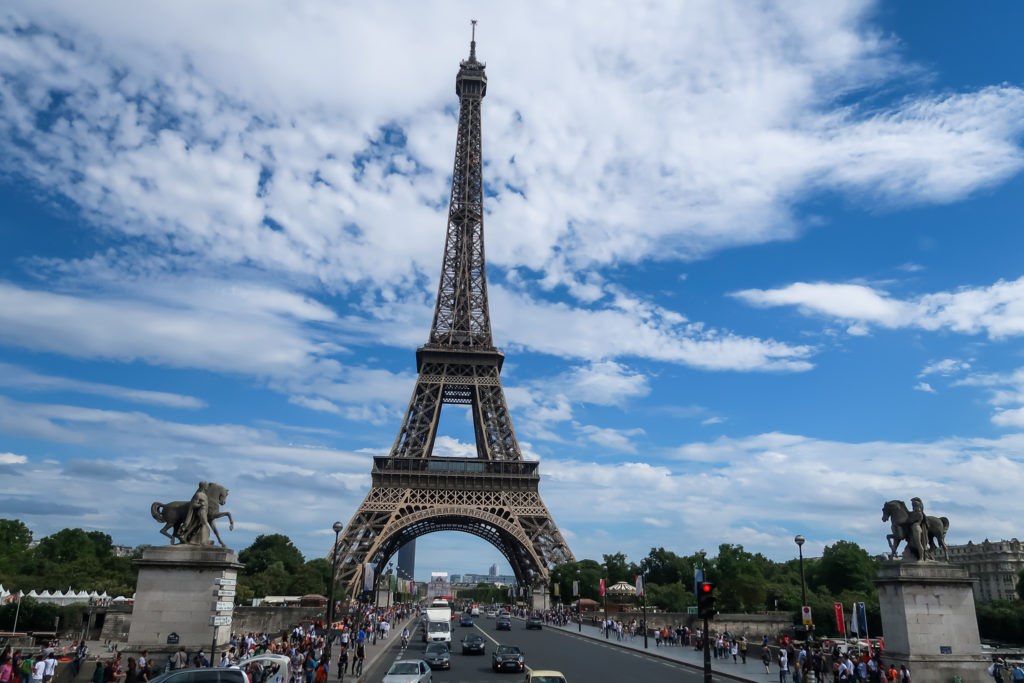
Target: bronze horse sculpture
x=933, y=531
x=175, y=515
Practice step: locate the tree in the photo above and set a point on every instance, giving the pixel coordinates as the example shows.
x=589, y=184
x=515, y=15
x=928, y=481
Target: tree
x=664, y=567
x=846, y=566
x=14, y=536
x=587, y=572
x=617, y=569
x=269, y=549
x=1020, y=585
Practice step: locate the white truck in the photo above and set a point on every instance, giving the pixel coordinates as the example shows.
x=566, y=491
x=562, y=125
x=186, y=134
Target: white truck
x=437, y=628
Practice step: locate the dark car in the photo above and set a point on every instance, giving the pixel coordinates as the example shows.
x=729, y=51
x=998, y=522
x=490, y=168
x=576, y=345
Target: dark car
x=534, y=622
x=466, y=620
x=508, y=658
x=474, y=644
x=503, y=624
x=438, y=656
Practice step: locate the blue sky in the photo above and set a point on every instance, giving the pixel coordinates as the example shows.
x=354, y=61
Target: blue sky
x=756, y=267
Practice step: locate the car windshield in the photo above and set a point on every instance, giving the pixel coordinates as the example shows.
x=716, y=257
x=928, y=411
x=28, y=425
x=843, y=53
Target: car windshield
x=439, y=626
x=473, y=638
x=437, y=648
x=547, y=679
x=507, y=650
x=404, y=668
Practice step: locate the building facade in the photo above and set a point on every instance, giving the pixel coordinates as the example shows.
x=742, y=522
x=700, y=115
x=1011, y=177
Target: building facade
x=997, y=566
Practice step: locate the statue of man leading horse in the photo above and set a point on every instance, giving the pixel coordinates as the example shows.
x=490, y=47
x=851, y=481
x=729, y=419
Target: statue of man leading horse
x=190, y=521
x=923, y=533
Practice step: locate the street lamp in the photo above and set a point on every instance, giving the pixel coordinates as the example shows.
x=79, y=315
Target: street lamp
x=390, y=565
x=337, y=526
x=799, y=540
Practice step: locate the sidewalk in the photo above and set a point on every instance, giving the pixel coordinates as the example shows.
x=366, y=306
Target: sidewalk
x=374, y=651
x=753, y=670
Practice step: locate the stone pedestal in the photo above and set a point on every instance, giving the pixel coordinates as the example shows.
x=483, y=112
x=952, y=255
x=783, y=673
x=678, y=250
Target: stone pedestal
x=184, y=598
x=929, y=621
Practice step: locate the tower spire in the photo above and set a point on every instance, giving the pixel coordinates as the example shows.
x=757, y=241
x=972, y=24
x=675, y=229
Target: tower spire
x=472, y=42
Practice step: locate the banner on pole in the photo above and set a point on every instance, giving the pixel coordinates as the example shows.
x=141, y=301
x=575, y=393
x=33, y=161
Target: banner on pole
x=840, y=621
x=698, y=579
x=575, y=589
x=368, y=571
x=862, y=619
x=854, y=631
x=639, y=586
x=602, y=587
x=557, y=587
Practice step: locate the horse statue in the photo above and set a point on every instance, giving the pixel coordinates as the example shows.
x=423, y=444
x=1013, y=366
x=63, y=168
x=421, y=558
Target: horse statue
x=190, y=521
x=923, y=533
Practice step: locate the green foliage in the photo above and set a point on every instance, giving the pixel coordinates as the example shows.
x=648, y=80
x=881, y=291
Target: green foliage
x=618, y=569
x=1020, y=585
x=38, y=616
x=1001, y=620
x=587, y=572
x=268, y=550
x=846, y=566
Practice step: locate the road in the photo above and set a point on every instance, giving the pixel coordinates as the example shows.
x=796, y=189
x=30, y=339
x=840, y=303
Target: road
x=580, y=659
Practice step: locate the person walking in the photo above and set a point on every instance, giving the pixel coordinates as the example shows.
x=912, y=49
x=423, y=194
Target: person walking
x=766, y=659
x=1017, y=676
x=783, y=665
x=743, y=649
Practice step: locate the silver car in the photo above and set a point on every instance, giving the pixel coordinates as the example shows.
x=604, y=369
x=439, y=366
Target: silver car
x=409, y=671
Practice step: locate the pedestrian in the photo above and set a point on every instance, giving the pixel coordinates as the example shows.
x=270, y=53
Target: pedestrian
x=766, y=659
x=904, y=674
x=1018, y=673
x=734, y=649
x=996, y=670
x=783, y=665
x=743, y=649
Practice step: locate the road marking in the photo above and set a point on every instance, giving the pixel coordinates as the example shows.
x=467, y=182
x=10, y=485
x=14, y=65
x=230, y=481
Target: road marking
x=488, y=637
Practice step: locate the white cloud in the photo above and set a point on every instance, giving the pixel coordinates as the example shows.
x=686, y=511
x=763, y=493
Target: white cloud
x=12, y=459
x=623, y=440
x=945, y=367
x=699, y=129
x=713, y=421
x=996, y=310
x=924, y=386
x=14, y=376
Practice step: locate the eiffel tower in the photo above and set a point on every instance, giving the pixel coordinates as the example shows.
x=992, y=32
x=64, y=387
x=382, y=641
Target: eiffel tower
x=493, y=496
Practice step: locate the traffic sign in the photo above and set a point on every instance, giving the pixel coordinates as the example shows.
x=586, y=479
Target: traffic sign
x=805, y=613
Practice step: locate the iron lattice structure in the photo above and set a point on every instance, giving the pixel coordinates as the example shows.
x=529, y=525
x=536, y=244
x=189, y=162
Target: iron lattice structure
x=493, y=496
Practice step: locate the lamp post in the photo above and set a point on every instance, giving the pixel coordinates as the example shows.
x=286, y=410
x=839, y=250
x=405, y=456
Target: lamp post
x=337, y=526
x=799, y=540
x=707, y=635
x=390, y=565
x=643, y=589
x=579, y=598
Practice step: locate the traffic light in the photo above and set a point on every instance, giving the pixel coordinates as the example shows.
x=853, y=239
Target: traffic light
x=706, y=600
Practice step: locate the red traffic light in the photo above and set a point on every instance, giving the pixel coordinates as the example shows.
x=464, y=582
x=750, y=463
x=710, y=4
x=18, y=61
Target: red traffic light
x=706, y=588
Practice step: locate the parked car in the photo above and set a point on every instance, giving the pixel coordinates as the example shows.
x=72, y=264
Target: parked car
x=535, y=622
x=503, y=624
x=508, y=658
x=474, y=643
x=409, y=671
x=438, y=656
x=539, y=676
x=466, y=620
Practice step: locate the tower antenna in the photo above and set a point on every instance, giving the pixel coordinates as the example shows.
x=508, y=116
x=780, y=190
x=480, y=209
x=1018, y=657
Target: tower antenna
x=472, y=42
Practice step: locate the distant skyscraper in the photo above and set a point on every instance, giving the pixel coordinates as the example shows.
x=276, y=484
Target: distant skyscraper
x=494, y=570
x=407, y=561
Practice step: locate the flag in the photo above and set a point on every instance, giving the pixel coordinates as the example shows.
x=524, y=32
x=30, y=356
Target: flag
x=698, y=579
x=557, y=586
x=575, y=589
x=368, y=571
x=840, y=622
x=854, y=631
x=639, y=586
x=601, y=592
x=862, y=619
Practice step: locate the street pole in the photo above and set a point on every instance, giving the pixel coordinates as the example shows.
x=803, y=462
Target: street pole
x=707, y=633
x=337, y=526
x=643, y=590
x=808, y=628
x=17, y=611
x=605, y=624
